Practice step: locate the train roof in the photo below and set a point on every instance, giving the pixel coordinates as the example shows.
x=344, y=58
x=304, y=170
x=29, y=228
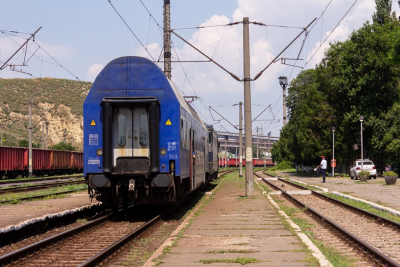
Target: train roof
x=137, y=73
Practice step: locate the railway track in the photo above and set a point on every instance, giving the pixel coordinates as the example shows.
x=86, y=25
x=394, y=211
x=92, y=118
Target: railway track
x=49, y=178
x=39, y=186
x=41, y=196
x=87, y=245
x=354, y=231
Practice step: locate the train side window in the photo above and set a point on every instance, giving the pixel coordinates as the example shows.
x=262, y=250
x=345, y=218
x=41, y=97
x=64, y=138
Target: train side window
x=121, y=130
x=143, y=130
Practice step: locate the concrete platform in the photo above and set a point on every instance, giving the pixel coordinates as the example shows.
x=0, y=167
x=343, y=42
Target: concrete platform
x=232, y=226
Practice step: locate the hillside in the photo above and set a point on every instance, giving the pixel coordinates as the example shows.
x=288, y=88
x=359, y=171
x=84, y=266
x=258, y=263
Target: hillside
x=57, y=101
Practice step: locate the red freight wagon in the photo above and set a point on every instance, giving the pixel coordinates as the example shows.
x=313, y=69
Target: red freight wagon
x=41, y=163
x=12, y=160
x=60, y=161
x=77, y=161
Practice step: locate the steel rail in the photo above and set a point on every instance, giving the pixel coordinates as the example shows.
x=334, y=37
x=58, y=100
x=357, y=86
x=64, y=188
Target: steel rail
x=41, y=196
x=21, y=181
x=348, y=206
x=121, y=243
x=25, y=252
x=39, y=186
x=383, y=259
x=108, y=252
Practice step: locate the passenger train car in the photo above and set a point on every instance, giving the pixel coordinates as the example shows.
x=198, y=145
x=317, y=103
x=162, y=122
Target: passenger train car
x=143, y=142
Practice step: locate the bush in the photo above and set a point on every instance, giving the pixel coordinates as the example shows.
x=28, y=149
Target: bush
x=389, y=173
x=366, y=173
x=283, y=165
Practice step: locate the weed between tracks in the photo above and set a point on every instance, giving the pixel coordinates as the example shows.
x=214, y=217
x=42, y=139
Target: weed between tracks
x=366, y=207
x=335, y=258
x=242, y=261
x=14, y=197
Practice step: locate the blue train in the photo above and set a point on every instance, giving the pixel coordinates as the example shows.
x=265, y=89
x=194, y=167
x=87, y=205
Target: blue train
x=143, y=142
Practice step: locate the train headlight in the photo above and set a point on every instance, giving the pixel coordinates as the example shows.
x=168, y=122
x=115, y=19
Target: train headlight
x=163, y=151
x=99, y=152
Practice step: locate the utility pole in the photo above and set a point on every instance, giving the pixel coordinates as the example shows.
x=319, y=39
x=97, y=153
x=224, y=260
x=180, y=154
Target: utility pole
x=257, y=144
x=167, y=39
x=43, y=135
x=265, y=153
x=47, y=134
x=236, y=157
x=226, y=155
x=240, y=141
x=283, y=82
x=30, y=140
x=247, y=110
x=269, y=145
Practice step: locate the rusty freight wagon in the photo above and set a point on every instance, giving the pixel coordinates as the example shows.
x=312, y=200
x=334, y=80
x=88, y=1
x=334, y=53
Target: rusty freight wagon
x=14, y=161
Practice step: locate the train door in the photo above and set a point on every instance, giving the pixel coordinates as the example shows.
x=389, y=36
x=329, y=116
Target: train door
x=130, y=136
x=192, y=159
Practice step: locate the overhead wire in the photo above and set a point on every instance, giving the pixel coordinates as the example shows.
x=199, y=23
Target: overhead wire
x=131, y=30
x=330, y=33
x=33, y=54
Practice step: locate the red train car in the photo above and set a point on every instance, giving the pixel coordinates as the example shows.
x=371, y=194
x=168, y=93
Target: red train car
x=41, y=163
x=77, y=161
x=14, y=161
x=60, y=161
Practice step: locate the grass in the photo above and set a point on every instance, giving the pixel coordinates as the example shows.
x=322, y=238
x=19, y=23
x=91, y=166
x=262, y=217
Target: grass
x=335, y=257
x=366, y=207
x=19, y=178
x=241, y=251
x=242, y=261
x=14, y=197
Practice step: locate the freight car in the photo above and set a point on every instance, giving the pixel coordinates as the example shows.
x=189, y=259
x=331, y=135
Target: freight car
x=14, y=161
x=143, y=143
x=234, y=162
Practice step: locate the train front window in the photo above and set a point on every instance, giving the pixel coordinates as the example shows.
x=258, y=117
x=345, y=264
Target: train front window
x=143, y=130
x=121, y=130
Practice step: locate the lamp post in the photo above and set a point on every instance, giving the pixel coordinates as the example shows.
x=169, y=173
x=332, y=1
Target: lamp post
x=283, y=82
x=333, y=152
x=362, y=154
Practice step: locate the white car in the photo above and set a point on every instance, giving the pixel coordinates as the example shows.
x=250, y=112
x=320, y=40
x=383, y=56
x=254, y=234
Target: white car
x=367, y=165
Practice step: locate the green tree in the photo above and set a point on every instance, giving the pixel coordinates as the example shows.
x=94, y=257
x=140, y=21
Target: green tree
x=64, y=146
x=382, y=13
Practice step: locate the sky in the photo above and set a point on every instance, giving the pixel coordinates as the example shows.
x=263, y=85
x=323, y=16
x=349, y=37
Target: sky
x=79, y=37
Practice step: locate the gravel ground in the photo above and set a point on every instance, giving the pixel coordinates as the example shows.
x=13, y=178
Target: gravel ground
x=13, y=214
x=374, y=190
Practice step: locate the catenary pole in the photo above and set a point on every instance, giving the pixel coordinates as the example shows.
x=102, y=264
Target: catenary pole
x=167, y=39
x=43, y=136
x=257, y=144
x=30, y=140
x=247, y=110
x=47, y=135
x=240, y=141
x=226, y=155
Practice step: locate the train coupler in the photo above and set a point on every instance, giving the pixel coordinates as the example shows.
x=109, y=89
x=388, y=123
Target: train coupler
x=131, y=185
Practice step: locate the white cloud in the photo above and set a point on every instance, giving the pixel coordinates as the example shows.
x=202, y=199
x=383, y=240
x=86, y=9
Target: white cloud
x=217, y=87
x=93, y=71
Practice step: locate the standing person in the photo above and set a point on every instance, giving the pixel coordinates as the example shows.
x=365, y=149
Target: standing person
x=323, y=168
